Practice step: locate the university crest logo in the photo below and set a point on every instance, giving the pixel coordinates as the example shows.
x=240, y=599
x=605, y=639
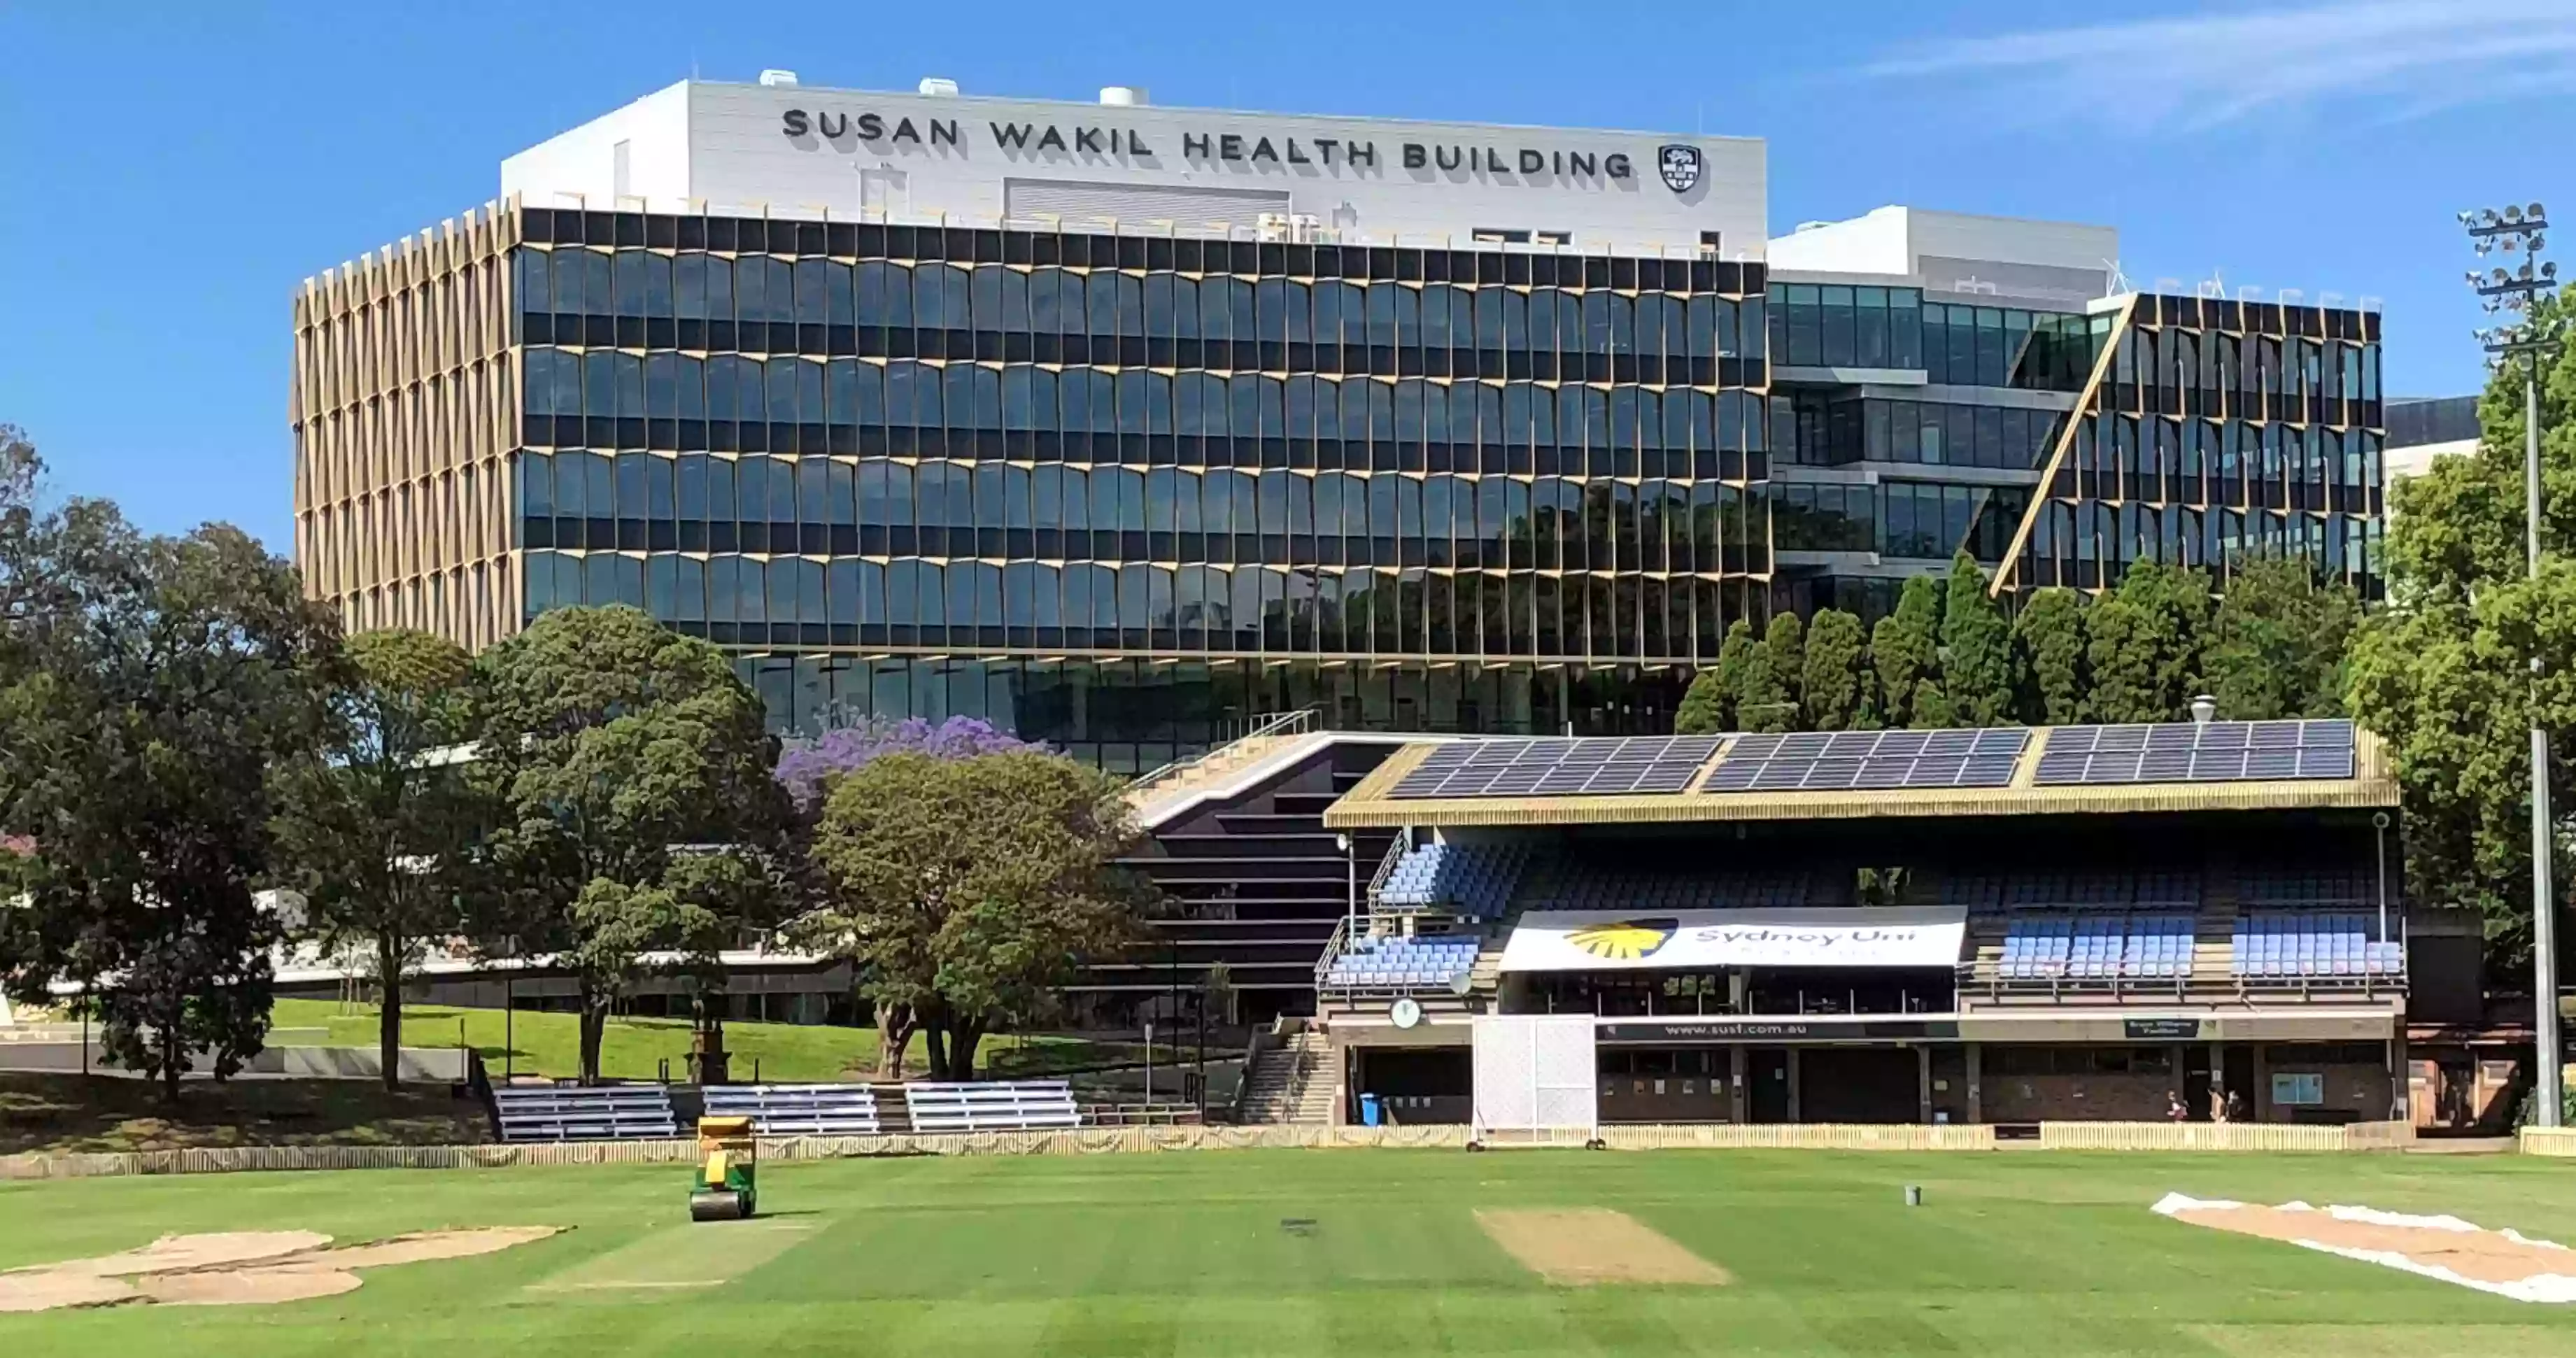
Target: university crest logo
x=1682, y=167
x=1627, y=940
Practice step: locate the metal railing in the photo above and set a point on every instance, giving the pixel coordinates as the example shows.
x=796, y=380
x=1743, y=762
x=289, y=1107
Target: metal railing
x=1293, y=723
x=1396, y=849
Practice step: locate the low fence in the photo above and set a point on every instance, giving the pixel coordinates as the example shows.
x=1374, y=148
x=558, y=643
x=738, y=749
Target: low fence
x=2223, y=1136
x=2555, y=1141
x=2089, y=1136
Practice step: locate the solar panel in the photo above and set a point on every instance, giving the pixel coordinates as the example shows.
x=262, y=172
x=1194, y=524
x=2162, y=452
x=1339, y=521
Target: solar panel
x=1816, y=761
x=2192, y=752
x=1559, y=767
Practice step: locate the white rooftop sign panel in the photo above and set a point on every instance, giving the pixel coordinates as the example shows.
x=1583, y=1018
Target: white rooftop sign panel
x=802, y=151
x=1605, y=940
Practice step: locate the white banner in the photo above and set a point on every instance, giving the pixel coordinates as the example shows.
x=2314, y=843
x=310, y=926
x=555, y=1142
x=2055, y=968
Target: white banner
x=1609, y=940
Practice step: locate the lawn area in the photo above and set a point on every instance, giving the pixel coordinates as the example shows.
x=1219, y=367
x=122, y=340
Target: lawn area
x=1330, y=1252
x=47, y=1112
x=636, y=1048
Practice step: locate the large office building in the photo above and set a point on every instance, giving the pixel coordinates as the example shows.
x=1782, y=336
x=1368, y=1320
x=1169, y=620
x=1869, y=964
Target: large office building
x=1121, y=425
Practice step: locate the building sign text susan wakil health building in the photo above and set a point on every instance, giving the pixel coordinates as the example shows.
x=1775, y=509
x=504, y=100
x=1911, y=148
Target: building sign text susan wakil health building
x=896, y=133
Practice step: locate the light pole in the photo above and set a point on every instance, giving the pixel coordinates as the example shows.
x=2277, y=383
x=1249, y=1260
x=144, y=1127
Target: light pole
x=2511, y=294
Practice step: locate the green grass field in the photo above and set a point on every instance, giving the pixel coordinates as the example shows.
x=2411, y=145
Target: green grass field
x=1194, y=1253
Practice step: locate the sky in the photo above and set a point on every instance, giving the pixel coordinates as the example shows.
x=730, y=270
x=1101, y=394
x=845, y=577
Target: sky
x=170, y=172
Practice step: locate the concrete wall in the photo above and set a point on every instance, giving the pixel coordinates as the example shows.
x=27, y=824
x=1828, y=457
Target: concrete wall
x=584, y=161
x=2100, y=1097
x=963, y=156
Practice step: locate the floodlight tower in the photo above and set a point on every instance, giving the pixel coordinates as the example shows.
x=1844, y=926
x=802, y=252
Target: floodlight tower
x=2513, y=295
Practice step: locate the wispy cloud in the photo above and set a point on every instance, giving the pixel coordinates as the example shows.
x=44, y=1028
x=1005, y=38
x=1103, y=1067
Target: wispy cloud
x=2384, y=59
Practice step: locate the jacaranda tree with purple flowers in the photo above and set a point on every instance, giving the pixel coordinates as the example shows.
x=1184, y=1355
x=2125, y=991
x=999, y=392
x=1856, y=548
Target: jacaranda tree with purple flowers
x=806, y=765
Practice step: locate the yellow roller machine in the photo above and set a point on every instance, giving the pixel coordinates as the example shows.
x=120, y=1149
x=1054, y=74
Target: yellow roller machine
x=726, y=1188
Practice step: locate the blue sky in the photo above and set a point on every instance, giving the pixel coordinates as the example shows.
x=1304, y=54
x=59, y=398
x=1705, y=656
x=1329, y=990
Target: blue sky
x=171, y=171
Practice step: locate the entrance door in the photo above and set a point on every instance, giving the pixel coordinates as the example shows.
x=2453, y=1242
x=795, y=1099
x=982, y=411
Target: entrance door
x=2238, y=1080
x=2195, y=1082
x=1768, y=1069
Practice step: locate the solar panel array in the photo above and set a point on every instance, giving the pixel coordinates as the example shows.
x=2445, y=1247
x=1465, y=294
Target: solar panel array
x=2197, y=752
x=1848, y=760
x=1559, y=767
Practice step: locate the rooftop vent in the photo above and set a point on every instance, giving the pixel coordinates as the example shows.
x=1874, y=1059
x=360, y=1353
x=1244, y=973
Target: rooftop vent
x=2203, y=710
x=1123, y=96
x=777, y=79
x=939, y=86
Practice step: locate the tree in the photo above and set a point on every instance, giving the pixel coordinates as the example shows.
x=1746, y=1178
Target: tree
x=2048, y=650
x=151, y=683
x=1976, y=649
x=971, y=891
x=1703, y=709
x=1735, y=656
x=1836, y=683
x=1906, y=648
x=806, y=765
x=2143, y=644
x=2279, y=641
x=637, y=811
x=1785, y=646
x=1762, y=694
x=2444, y=672
x=808, y=768
x=372, y=824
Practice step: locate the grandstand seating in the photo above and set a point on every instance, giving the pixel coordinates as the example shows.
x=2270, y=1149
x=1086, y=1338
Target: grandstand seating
x=574, y=1113
x=2276, y=944
x=1402, y=963
x=1578, y=887
x=1476, y=880
x=2307, y=888
x=2093, y=947
x=798, y=1110
x=1010, y=1106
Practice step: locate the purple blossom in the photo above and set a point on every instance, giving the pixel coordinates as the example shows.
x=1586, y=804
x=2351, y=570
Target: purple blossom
x=805, y=765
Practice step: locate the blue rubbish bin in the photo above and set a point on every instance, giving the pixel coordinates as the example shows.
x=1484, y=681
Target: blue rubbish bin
x=1368, y=1110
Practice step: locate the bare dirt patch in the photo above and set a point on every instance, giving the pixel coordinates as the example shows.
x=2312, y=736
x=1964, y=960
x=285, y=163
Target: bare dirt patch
x=39, y=1290
x=244, y=1287
x=1588, y=1246
x=214, y=1249
x=239, y=1268
x=2506, y=1262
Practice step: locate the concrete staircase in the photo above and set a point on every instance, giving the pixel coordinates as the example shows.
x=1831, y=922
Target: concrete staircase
x=1293, y=1082
x=1155, y=800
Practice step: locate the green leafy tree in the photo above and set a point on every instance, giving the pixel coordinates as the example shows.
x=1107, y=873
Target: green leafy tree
x=373, y=824
x=2279, y=642
x=1931, y=706
x=637, y=822
x=972, y=890
x=1785, y=641
x=1976, y=649
x=1735, y=657
x=151, y=684
x=2143, y=644
x=1703, y=709
x=1905, y=646
x=1836, y=686
x=2444, y=672
x=1765, y=700
x=2048, y=651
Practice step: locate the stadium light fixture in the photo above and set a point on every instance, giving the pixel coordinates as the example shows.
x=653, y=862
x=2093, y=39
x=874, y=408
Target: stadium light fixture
x=2515, y=297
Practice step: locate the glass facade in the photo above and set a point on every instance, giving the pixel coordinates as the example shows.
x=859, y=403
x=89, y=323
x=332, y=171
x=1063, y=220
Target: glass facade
x=2221, y=429
x=1022, y=471
x=1129, y=493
